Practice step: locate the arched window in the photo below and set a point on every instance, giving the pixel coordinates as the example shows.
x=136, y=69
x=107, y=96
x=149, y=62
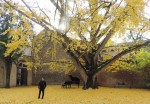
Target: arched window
x=21, y=74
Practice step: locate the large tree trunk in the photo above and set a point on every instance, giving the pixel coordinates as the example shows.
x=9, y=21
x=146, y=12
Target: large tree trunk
x=8, y=65
x=91, y=82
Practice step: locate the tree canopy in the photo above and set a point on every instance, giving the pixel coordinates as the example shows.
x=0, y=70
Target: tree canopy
x=15, y=31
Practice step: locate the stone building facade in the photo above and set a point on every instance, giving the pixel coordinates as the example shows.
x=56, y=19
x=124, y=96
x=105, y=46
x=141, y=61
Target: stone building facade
x=106, y=78
x=20, y=75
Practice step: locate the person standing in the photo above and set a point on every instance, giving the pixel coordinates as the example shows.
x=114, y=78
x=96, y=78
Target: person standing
x=41, y=86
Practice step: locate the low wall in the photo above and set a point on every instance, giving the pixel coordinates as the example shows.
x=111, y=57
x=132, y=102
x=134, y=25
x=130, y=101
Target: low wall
x=126, y=78
x=107, y=79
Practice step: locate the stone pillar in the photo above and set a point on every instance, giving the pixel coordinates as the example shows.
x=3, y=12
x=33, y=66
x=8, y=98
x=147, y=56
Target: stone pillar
x=2, y=74
x=29, y=77
x=13, y=75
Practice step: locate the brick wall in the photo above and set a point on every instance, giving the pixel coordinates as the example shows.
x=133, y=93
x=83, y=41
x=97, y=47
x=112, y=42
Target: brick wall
x=110, y=79
x=129, y=78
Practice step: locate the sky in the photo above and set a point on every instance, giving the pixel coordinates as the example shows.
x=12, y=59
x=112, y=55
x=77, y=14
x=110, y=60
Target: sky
x=42, y=4
x=46, y=4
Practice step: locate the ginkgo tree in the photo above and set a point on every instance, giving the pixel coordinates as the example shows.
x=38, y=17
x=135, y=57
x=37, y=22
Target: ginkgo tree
x=85, y=27
x=14, y=36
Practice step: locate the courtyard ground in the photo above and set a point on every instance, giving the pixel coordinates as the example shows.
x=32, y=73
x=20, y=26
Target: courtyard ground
x=74, y=95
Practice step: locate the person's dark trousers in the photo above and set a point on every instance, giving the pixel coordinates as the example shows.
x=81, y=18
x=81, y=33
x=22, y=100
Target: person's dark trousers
x=41, y=90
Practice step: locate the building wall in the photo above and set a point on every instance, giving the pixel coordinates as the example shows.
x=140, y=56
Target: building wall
x=129, y=78
x=52, y=77
x=3, y=75
x=109, y=79
x=13, y=76
x=105, y=78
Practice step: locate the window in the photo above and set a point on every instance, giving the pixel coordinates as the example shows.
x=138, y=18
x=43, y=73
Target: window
x=103, y=51
x=112, y=50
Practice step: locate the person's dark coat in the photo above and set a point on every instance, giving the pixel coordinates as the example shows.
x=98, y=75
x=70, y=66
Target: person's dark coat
x=42, y=85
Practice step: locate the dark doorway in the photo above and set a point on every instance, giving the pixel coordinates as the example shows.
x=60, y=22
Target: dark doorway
x=22, y=74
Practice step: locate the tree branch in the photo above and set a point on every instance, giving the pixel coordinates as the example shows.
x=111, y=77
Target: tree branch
x=105, y=17
x=42, y=23
x=112, y=27
x=57, y=6
x=112, y=60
